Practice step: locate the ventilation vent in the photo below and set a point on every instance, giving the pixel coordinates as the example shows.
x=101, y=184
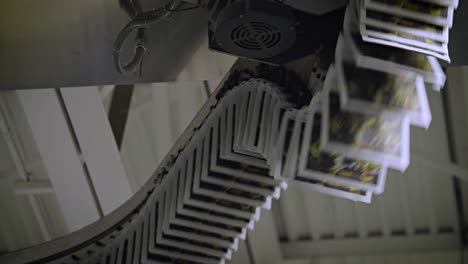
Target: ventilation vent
x=256, y=35
x=257, y=29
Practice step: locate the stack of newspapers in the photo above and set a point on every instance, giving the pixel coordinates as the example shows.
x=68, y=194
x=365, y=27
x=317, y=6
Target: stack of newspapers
x=357, y=126
x=417, y=25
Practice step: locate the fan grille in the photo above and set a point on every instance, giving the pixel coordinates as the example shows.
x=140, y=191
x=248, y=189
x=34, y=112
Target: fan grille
x=256, y=35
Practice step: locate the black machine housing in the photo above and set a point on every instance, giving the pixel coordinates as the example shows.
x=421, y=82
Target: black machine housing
x=271, y=31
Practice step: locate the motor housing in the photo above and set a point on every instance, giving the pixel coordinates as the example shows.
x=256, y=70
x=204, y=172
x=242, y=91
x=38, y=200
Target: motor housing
x=270, y=31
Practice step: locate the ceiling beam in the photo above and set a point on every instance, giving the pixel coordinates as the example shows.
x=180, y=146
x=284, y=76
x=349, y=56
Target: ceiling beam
x=59, y=155
x=363, y=246
x=38, y=186
x=97, y=145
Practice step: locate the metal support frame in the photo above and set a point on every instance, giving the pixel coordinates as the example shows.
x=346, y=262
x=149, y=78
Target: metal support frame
x=6, y=131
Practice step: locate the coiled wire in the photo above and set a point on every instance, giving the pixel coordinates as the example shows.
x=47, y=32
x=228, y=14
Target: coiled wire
x=140, y=21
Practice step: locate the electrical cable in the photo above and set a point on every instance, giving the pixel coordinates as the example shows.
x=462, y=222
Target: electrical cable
x=140, y=21
x=185, y=9
x=129, y=7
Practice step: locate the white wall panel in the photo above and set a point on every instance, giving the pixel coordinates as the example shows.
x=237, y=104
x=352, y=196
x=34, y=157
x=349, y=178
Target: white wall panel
x=370, y=246
x=241, y=256
x=369, y=218
x=263, y=240
x=457, y=97
x=159, y=113
x=18, y=228
x=345, y=218
x=320, y=212
x=137, y=152
x=389, y=203
x=292, y=204
x=433, y=257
